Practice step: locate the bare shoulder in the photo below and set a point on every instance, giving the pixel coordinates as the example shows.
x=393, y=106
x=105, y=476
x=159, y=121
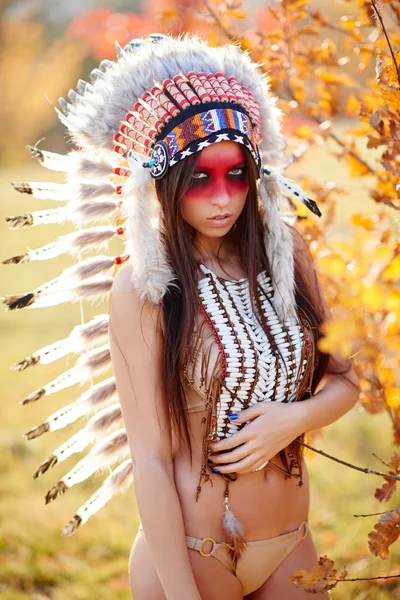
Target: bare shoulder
x=127, y=310
x=123, y=279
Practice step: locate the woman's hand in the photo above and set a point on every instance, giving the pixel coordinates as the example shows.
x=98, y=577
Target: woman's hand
x=273, y=426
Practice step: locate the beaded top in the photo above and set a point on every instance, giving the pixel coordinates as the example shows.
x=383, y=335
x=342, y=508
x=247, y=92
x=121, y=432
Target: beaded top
x=239, y=353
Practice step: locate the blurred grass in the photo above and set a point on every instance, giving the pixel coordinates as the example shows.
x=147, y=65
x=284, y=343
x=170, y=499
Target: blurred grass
x=36, y=562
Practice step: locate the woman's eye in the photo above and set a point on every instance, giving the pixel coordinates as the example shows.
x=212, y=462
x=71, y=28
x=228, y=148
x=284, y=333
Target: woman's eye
x=238, y=171
x=199, y=175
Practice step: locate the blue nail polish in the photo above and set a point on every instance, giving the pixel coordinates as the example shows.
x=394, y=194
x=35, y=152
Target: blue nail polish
x=209, y=460
x=214, y=471
x=233, y=416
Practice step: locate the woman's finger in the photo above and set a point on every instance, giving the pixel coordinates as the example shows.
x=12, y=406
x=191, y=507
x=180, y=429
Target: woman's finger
x=232, y=456
x=239, y=467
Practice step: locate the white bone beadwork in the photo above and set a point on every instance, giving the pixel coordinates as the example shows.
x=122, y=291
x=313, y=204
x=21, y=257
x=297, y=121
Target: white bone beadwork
x=253, y=372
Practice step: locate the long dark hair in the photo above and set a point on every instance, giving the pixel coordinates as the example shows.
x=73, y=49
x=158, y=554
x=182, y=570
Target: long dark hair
x=180, y=303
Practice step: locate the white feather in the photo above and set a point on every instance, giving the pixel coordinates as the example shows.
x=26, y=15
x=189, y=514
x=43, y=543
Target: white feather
x=80, y=338
x=112, y=448
x=88, y=365
x=52, y=161
x=117, y=482
x=74, y=294
x=84, y=437
x=96, y=397
x=231, y=524
x=290, y=186
x=46, y=190
x=49, y=216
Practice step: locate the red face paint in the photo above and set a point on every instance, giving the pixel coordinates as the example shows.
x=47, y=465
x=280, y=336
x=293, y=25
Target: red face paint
x=219, y=175
x=219, y=186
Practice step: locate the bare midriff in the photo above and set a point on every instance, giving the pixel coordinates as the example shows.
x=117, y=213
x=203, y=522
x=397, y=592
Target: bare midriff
x=267, y=503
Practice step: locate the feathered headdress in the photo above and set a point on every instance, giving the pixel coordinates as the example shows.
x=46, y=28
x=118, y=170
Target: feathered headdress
x=162, y=100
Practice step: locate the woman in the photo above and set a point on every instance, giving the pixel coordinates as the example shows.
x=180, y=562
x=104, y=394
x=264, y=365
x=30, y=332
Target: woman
x=146, y=343
x=213, y=322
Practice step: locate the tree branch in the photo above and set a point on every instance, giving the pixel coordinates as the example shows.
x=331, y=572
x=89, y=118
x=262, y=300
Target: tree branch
x=371, y=514
x=347, y=464
x=379, y=16
x=365, y=578
x=219, y=23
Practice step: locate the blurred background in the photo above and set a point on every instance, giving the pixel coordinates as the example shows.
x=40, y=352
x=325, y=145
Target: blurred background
x=45, y=47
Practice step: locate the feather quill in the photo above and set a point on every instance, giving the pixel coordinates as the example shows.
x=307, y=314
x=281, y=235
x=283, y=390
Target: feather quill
x=100, y=425
x=89, y=365
x=81, y=338
x=38, y=217
x=45, y=190
x=293, y=188
x=74, y=243
x=117, y=482
x=95, y=398
x=66, y=283
x=112, y=448
x=93, y=290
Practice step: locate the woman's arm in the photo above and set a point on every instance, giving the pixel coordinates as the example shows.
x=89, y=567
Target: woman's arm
x=136, y=342
x=335, y=397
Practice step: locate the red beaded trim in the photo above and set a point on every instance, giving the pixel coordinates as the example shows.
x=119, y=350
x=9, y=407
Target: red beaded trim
x=217, y=339
x=305, y=334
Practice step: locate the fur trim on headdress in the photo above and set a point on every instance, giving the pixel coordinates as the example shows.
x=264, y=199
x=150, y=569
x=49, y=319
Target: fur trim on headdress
x=151, y=272
x=279, y=246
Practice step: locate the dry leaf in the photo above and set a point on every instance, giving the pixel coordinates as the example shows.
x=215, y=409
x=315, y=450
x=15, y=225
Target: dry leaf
x=321, y=578
x=387, y=531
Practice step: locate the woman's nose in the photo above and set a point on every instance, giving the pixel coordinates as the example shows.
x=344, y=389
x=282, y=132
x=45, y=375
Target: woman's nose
x=221, y=195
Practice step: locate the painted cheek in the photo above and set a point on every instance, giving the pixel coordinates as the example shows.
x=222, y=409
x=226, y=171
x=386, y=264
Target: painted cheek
x=238, y=186
x=197, y=193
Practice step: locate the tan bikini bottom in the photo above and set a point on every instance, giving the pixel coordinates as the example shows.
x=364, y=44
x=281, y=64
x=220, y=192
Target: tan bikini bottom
x=259, y=560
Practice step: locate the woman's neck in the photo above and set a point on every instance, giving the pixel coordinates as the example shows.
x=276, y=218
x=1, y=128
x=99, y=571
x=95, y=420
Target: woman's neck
x=215, y=250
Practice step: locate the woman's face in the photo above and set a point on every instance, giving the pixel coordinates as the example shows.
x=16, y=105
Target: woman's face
x=219, y=187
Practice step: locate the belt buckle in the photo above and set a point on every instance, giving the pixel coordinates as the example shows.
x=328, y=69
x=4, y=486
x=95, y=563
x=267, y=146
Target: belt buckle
x=303, y=525
x=207, y=554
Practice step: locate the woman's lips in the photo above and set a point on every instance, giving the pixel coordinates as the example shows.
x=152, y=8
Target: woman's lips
x=218, y=222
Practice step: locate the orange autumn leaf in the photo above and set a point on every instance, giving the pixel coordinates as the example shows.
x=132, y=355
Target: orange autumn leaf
x=321, y=578
x=168, y=15
x=304, y=132
x=367, y=221
x=385, y=533
x=333, y=264
x=340, y=335
x=384, y=493
x=393, y=397
x=236, y=13
x=352, y=105
x=355, y=164
x=372, y=296
x=392, y=271
x=388, y=73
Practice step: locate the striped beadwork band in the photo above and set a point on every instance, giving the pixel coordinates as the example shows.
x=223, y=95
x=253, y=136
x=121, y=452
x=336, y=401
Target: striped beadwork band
x=182, y=138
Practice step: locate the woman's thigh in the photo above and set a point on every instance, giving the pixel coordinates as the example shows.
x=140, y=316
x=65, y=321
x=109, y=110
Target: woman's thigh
x=304, y=556
x=214, y=580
